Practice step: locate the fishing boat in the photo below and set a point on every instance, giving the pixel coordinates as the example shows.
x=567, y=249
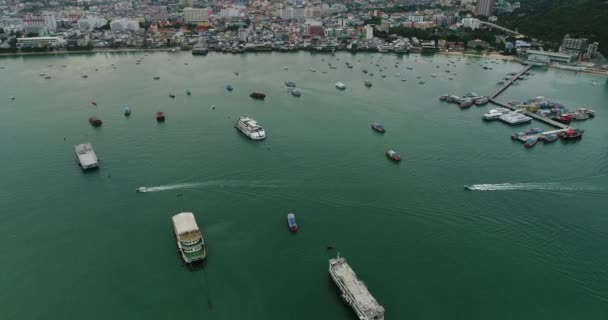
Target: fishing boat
x=563, y=118
x=127, y=111
x=571, y=134
x=94, y=103
x=378, y=127
x=190, y=242
x=531, y=142
x=258, y=95
x=533, y=131
x=368, y=83
x=160, y=116
x=84, y=76
x=340, y=85
x=391, y=154
x=290, y=84
x=291, y=222
x=548, y=138
x=95, y=122
x=296, y=93
x=157, y=78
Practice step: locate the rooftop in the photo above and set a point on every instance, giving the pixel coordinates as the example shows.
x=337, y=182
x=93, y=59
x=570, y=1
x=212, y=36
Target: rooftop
x=184, y=222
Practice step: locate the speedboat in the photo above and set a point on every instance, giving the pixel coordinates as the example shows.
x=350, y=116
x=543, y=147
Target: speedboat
x=391, y=154
x=378, y=127
x=188, y=92
x=467, y=188
x=141, y=189
x=229, y=87
x=172, y=96
x=291, y=222
x=340, y=85
x=127, y=111
x=296, y=93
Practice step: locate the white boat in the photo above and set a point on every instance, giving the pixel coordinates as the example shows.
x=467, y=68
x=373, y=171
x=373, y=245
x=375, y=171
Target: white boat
x=250, y=128
x=492, y=115
x=86, y=156
x=340, y=85
x=190, y=242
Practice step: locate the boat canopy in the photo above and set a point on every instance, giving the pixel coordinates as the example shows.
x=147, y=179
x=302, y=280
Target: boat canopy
x=184, y=222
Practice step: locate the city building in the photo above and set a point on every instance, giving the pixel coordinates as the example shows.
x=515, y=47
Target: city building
x=196, y=15
x=185, y=3
x=415, y=18
x=369, y=32
x=578, y=44
x=592, y=49
x=484, y=8
x=471, y=23
x=90, y=23
x=124, y=25
x=536, y=56
x=50, y=20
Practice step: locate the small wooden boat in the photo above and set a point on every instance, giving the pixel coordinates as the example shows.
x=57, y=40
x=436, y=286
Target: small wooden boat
x=368, y=83
x=160, y=116
x=95, y=122
x=291, y=222
x=296, y=93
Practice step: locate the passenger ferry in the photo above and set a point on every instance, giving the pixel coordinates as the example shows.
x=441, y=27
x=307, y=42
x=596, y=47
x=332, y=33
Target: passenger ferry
x=250, y=128
x=190, y=242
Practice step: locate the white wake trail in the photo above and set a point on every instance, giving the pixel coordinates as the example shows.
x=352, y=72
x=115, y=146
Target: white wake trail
x=206, y=184
x=546, y=186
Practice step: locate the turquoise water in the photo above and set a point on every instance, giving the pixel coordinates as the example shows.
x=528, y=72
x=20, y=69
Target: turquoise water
x=77, y=243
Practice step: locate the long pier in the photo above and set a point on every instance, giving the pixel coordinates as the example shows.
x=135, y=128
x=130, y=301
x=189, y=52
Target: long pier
x=510, y=82
x=533, y=115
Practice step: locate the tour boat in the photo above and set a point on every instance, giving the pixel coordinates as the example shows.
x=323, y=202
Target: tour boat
x=391, y=154
x=250, y=128
x=95, y=122
x=531, y=142
x=571, y=133
x=291, y=222
x=378, y=127
x=190, y=242
x=160, y=116
x=340, y=85
x=229, y=87
x=258, y=95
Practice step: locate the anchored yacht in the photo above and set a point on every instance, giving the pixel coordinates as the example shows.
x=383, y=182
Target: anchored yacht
x=250, y=128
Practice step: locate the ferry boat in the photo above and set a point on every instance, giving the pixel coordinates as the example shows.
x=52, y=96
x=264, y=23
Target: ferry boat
x=160, y=116
x=258, y=95
x=353, y=291
x=571, y=134
x=86, y=156
x=190, y=242
x=127, y=111
x=229, y=87
x=290, y=84
x=250, y=128
x=378, y=127
x=368, y=83
x=340, y=85
x=95, y=122
x=391, y=154
x=531, y=142
x=291, y=222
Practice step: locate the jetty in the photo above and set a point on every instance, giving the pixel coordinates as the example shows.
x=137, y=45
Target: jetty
x=524, y=138
x=533, y=115
x=510, y=82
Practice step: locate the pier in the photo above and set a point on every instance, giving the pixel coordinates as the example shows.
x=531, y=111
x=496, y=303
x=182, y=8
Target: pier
x=510, y=82
x=532, y=115
x=525, y=138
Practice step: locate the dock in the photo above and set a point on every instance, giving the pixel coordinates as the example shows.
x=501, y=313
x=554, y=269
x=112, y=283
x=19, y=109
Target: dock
x=510, y=82
x=525, y=138
x=532, y=115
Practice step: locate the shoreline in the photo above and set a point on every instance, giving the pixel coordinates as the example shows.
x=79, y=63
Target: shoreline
x=493, y=55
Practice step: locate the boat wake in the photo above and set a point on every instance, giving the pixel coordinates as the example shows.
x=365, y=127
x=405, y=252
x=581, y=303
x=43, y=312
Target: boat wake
x=545, y=186
x=206, y=184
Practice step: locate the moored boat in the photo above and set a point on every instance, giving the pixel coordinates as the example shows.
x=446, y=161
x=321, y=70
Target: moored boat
x=258, y=95
x=571, y=134
x=250, y=128
x=481, y=101
x=368, y=83
x=466, y=103
x=291, y=222
x=190, y=242
x=95, y=122
x=391, y=154
x=229, y=87
x=548, y=138
x=296, y=93
x=290, y=84
x=378, y=127
x=531, y=142
x=160, y=116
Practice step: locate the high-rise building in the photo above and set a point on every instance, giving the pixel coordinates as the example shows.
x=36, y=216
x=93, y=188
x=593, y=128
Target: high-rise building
x=194, y=15
x=578, y=44
x=484, y=8
x=592, y=49
x=50, y=20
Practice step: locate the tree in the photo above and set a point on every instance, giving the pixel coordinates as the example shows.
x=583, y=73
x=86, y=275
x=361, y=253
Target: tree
x=32, y=34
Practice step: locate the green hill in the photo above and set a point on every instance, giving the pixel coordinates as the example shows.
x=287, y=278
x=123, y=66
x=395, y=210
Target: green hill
x=550, y=20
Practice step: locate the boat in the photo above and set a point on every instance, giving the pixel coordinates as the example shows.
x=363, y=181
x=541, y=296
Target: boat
x=378, y=127
x=492, y=115
x=285, y=68
x=340, y=85
x=84, y=76
x=157, y=78
x=188, y=92
x=548, y=138
x=258, y=95
x=229, y=87
x=172, y=96
x=531, y=142
x=290, y=84
x=291, y=222
x=95, y=122
x=160, y=116
x=87, y=157
x=571, y=134
x=467, y=188
x=364, y=70
x=563, y=118
x=296, y=93
x=391, y=154
x=141, y=190
x=368, y=83
x=443, y=98
x=12, y=98
x=47, y=77
x=94, y=103
x=420, y=82
x=127, y=111
x=533, y=131
x=466, y=103
x=236, y=73
x=199, y=50
x=42, y=74
x=250, y=128
x=312, y=70
x=190, y=242
x=482, y=101
x=353, y=291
